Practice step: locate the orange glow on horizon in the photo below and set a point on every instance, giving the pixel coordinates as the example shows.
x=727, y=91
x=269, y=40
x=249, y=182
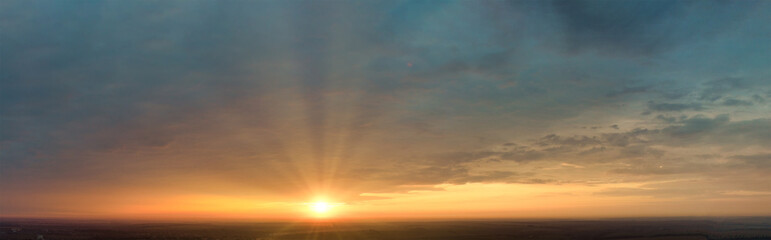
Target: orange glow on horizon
x=480, y=200
x=322, y=209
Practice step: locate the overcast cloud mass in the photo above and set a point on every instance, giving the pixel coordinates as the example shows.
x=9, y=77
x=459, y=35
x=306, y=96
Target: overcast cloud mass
x=100, y=100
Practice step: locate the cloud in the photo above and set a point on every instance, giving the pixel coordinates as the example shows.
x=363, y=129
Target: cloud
x=629, y=90
x=719, y=130
x=756, y=160
x=715, y=188
x=577, y=141
x=640, y=151
x=696, y=125
x=642, y=27
x=228, y=97
x=736, y=102
x=715, y=89
x=673, y=107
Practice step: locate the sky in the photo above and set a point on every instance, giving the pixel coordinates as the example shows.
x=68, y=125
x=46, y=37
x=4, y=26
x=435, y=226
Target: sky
x=384, y=109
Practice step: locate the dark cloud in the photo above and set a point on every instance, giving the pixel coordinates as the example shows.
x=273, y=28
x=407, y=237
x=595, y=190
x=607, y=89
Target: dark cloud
x=642, y=151
x=673, y=107
x=666, y=119
x=698, y=129
x=628, y=90
x=758, y=99
x=716, y=89
x=719, y=130
x=696, y=125
x=732, y=102
x=642, y=27
x=552, y=147
x=620, y=26
x=626, y=138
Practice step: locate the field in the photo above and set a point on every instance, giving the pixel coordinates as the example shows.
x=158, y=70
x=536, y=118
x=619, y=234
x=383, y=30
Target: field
x=662, y=229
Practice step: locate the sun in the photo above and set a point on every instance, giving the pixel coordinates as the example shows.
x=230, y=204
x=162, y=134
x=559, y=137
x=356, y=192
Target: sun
x=320, y=207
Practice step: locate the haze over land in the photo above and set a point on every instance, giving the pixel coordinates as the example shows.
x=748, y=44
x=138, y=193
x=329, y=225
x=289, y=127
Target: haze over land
x=624, y=229
x=384, y=109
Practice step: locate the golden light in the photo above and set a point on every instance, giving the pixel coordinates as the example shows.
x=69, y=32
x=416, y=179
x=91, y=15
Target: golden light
x=322, y=209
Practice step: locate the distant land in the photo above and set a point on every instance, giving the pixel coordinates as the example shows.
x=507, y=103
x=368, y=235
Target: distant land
x=617, y=229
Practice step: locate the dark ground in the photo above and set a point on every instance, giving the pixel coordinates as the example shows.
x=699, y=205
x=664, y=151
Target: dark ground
x=681, y=228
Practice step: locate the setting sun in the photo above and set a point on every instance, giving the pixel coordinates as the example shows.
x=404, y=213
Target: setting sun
x=320, y=207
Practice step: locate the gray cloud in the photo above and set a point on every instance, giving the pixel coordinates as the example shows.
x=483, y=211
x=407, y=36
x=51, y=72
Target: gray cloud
x=371, y=96
x=628, y=91
x=643, y=152
x=756, y=160
x=697, y=125
x=642, y=27
x=715, y=89
x=673, y=107
x=736, y=102
x=719, y=130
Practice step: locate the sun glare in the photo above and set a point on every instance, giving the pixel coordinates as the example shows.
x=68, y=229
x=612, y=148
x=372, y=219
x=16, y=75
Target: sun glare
x=321, y=207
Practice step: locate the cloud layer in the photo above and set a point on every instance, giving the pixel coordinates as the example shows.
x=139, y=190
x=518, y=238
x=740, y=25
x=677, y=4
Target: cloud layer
x=290, y=99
